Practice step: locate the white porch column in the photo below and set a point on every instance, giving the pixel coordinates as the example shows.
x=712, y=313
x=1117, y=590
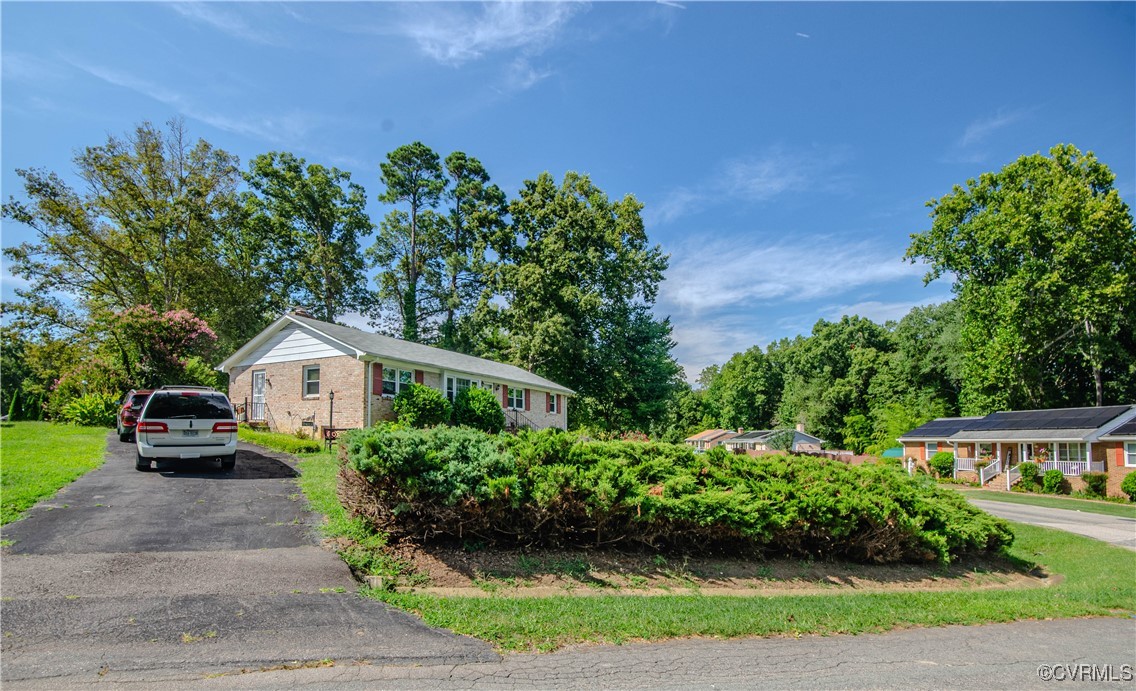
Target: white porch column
x=1089, y=458
x=954, y=465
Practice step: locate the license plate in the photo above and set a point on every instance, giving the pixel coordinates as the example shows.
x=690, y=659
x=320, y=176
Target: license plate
x=189, y=433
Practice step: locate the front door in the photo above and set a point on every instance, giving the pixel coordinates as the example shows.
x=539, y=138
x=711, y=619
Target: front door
x=257, y=412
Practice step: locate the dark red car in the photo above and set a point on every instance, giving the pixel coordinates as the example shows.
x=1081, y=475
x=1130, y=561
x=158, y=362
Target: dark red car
x=128, y=414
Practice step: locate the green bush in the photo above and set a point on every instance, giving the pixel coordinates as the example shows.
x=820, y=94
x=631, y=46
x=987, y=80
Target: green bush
x=943, y=463
x=479, y=409
x=14, y=407
x=91, y=410
x=1029, y=473
x=553, y=488
x=1053, y=482
x=1096, y=484
x=421, y=406
x=1128, y=486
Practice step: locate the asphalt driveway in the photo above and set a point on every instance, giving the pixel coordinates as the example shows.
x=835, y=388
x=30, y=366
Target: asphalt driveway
x=1113, y=529
x=191, y=567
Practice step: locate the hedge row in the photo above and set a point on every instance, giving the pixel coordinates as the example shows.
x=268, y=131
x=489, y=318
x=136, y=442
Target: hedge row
x=552, y=488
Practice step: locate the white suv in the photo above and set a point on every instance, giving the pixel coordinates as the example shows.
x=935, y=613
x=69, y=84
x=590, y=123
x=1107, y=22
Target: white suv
x=186, y=422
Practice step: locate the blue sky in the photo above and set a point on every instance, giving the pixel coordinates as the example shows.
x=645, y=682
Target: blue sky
x=784, y=152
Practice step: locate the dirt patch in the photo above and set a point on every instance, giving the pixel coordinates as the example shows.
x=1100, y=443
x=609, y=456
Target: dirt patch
x=454, y=570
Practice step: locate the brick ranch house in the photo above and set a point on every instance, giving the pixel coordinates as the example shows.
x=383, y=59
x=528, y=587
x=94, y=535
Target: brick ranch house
x=1072, y=440
x=285, y=376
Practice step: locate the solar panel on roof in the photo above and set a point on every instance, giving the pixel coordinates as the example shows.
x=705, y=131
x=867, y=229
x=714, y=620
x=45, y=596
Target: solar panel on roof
x=1070, y=418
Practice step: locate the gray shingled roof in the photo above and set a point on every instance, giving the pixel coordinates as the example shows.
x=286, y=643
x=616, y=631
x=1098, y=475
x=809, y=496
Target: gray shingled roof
x=381, y=346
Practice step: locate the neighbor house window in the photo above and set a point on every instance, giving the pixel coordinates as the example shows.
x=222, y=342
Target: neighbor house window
x=311, y=381
x=395, y=380
x=552, y=408
x=455, y=385
x=1071, y=452
x=516, y=398
x=1130, y=454
x=932, y=448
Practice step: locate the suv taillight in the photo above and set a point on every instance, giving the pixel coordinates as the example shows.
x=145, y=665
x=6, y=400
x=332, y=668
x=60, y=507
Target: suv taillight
x=151, y=427
x=223, y=427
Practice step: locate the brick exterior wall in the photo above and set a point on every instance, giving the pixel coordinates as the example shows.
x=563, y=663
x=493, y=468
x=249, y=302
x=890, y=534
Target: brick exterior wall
x=283, y=392
x=347, y=376
x=1112, y=453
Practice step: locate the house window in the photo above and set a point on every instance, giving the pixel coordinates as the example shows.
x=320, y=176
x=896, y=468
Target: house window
x=395, y=380
x=455, y=385
x=1130, y=454
x=1071, y=452
x=552, y=407
x=985, y=450
x=932, y=448
x=311, y=381
x=516, y=398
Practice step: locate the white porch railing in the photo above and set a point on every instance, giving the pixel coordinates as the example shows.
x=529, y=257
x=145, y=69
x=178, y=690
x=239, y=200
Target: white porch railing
x=1012, y=476
x=963, y=463
x=988, y=473
x=1074, y=468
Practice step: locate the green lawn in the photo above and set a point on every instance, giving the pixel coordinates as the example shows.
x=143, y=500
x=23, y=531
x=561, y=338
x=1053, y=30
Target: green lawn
x=37, y=458
x=1097, y=582
x=1102, y=507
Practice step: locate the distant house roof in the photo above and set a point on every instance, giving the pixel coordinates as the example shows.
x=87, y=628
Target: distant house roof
x=376, y=346
x=1126, y=430
x=1060, y=424
x=1072, y=424
x=938, y=429
x=710, y=435
x=751, y=436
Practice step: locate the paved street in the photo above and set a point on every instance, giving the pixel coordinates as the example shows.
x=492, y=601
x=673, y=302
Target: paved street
x=190, y=568
x=1114, y=529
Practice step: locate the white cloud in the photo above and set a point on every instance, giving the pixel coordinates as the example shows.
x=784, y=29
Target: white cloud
x=521, y=75
x=745, y=271
x=455, y=34
x=27, y=68
x=216, y=15
x=759, y=178
x=713, y=342
x=878, y=311
x=977, y=131
x=283, y=128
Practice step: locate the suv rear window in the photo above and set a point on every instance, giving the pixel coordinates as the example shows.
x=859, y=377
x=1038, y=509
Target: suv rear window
x=138, y=400
x=189, y=406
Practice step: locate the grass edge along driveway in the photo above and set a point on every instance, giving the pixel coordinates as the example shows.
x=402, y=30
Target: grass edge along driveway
x=1096, y=581
x=39, y=458
x=1050, y=501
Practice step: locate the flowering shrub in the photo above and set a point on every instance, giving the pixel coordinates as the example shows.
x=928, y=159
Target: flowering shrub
x=161, y=344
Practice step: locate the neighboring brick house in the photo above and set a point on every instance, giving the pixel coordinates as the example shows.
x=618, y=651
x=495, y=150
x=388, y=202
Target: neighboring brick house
x=284, y=378
x=1072, y=440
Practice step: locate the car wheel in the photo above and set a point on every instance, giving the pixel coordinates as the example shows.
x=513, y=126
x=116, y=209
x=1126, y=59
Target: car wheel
x=142, y=463
x=228, y=462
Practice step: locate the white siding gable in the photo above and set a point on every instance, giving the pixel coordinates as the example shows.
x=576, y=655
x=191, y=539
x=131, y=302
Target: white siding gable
x=293, y=343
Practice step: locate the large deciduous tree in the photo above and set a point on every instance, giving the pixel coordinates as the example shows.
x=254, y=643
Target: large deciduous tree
x=745, y=391
x=574, y=269
x=158, y=221
x=1043, y=255
x=408, y=244
x=311, y=218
